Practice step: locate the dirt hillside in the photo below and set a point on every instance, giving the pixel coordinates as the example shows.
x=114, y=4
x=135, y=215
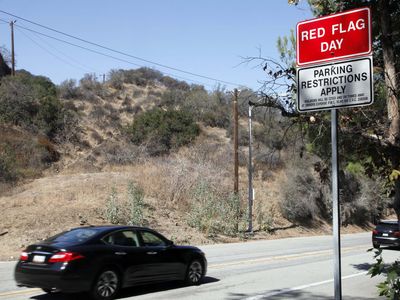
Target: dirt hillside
x=74, y=190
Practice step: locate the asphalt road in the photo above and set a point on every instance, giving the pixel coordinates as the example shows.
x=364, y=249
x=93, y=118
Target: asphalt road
x=295, y=268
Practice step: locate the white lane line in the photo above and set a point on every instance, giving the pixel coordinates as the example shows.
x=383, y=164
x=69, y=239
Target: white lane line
x=301, y=287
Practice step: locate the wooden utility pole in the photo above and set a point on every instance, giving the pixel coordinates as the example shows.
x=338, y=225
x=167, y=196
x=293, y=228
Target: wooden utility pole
x=12, y=48
x=235, y=140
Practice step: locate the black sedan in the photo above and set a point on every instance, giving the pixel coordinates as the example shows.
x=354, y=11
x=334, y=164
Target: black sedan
x=386, y=233
x=101, y=260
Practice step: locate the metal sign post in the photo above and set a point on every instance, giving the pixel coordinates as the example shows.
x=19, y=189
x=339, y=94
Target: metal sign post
x=250, y=229
x=336, y=208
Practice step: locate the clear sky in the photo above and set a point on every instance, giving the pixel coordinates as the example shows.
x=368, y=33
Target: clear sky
x=206, y=37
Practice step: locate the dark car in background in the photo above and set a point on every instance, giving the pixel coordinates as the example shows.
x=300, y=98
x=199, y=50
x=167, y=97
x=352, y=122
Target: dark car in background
x=103, y=259
x=386, y=233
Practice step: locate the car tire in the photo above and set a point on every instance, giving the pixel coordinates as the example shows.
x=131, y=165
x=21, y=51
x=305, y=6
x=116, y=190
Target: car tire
x=194, y=272
x=106, y=285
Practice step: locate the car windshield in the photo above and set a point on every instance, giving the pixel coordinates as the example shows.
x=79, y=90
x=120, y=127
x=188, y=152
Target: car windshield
x=78, y=235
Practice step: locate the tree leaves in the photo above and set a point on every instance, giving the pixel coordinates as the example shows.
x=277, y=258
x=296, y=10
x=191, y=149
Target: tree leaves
x=390, y=287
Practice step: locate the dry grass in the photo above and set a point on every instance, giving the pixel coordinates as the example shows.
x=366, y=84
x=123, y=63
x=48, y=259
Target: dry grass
x=48, y=205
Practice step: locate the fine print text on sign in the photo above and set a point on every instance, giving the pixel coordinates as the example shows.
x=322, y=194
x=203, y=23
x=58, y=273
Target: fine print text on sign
x=337, y=36
x=342, y=84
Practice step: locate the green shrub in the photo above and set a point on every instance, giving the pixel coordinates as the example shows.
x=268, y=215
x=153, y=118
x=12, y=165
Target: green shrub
x=163, y=130
x=307, y=196
x=213, y=214
x=116, y=79
x=140, y=77
x=30, y=101
x=129, y=211
x=265, y=218
x=49, y=115
x=90, y=88
x=41, y=86
x=8, y=171
x=298, y=205
x=355, y=168
x=173, y=97
x=89, y=82
x=210, y=108
x=136, y=205
x=68, y=89
x=217, y=117
x=361, y=198
x=304, y=198
x=112, y=210
x=172, y=83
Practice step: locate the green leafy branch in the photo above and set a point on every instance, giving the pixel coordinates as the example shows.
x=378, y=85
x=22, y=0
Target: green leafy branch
x=390, y=287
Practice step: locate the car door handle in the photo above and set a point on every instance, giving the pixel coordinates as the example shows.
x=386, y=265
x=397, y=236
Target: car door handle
x=151, y=253
x=120, y=253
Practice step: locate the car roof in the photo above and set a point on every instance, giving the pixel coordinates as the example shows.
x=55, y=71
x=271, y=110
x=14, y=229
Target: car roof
x=102, y=230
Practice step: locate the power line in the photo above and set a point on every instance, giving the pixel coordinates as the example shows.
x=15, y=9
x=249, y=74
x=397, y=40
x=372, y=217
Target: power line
x=76, y=45
x=104, y=54
x=122, y=53
x=52, y=54
x=72, y=59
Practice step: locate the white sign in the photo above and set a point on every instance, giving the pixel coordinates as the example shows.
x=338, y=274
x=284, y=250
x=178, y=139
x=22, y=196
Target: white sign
x=335, y=85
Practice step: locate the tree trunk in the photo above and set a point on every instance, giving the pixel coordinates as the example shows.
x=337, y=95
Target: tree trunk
x=392, y=87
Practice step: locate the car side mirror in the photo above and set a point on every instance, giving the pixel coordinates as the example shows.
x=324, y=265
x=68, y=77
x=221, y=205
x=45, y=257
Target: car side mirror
x=170, y=243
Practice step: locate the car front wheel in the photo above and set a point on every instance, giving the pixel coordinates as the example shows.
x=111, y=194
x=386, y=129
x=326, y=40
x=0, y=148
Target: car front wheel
x=106, y=285
x=194, y=273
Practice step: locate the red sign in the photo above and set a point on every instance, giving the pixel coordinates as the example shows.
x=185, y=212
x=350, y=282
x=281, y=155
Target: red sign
x=333, y=37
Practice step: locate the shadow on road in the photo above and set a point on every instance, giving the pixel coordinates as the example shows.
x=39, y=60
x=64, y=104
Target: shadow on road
x=126, y=293
x=362, y=267
x=299, y=295
x=367, y=266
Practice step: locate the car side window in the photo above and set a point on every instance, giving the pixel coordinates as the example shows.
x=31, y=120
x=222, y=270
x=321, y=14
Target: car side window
x=150, y=239
x=122, y=238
